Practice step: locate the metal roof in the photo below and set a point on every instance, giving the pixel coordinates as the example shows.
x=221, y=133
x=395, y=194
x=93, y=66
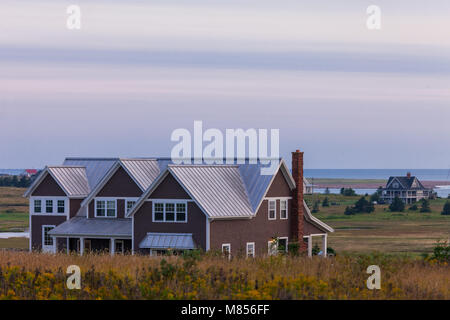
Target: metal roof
x=144, y=171
x=218, y=189
x=168, y=241
x=72, y=179
x=96, y=168
x=104, y=227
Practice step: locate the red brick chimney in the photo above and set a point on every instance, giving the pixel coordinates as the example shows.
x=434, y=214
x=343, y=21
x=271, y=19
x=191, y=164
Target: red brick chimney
x=408, y=174
x=297, y=198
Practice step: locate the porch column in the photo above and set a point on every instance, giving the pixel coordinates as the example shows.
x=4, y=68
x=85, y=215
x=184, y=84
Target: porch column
x=310, y=246
x=81, y=246
x=324, y=245
x=55, y=245
x=113, y=246
x=67, y=245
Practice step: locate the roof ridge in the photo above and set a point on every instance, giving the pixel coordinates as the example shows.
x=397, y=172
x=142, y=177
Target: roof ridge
x=204, y=165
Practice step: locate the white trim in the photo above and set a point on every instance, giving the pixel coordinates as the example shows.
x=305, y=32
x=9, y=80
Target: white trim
x=47, y=248
x=105, y=199
x=268, y=209
x=172, y=200
x=126, y=204
x=247, y=251
x=286, y=201
x=30, y=249
x=164, y=203
x=287, y=243
x=132, y=235
x=229, y=249
x=277, y=198
x=310, y=218
x=54, y=212
x=272, y=248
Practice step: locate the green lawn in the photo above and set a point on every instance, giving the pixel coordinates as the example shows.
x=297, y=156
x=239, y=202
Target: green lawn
x=13, y=210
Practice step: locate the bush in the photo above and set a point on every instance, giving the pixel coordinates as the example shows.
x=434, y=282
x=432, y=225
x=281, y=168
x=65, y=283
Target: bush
x=349, y=211
x=325, y=202
x=316, y=207
x=414, y=207
x=397, y=205
x=425, y=207
x=441, y=252
x=446, y=209
x=362, y=205
x=348, y=192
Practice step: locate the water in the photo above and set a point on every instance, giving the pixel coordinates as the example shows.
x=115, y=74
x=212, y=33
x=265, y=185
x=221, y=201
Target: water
x=443, y=191
x=6, y=235
x=421, y=174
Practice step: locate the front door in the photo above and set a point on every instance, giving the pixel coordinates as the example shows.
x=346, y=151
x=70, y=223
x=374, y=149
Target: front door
x=48, y=245
x=119, y=246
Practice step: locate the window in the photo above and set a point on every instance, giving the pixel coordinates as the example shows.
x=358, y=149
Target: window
x=37, y=206
x=282, y=244
x=283, y=209
x=105, y=208
x=272, y=247
x=48, y=206
x=250, y=249
x=130, y=205
x=47, y=240
x=170, y=212
x=272, y=209
x=61, y=206
x=226, y=250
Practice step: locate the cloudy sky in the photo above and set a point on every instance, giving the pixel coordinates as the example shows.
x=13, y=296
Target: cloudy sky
x=348, y=96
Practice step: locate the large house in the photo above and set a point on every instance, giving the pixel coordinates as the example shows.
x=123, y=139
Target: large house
x=152, y=205
x=409, y=189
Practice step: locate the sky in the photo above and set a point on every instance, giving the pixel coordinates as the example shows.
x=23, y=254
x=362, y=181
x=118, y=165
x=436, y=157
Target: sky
x=347, y=96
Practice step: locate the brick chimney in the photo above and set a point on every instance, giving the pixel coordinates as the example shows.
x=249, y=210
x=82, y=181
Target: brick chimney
x=297, y=198
x=408, y=174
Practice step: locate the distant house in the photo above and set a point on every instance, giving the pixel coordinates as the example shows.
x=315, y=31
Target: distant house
x=307, y=186
x=152, y=205
x=408, y=188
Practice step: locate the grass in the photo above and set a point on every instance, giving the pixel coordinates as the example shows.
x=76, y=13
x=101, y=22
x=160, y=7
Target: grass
x=409, y=232
x=350, y=182
x=43, y=276
x=16, y=243
x=13, y=210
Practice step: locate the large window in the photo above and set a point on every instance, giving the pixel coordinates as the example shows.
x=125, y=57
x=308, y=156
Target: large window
x=37, y=206
x=272, y=209
x=169, y=211
x=48, y=206
x=105, y=208
x=44, y=205
x=47, y=240
x=283, y=209
x=61, y=206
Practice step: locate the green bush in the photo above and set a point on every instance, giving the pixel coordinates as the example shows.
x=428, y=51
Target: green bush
x=425, y=207
x=446, y=209
x=325, y=202
x=397, y=205
x=441, y=252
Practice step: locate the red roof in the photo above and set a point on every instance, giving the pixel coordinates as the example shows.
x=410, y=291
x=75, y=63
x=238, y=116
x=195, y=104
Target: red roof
x=31, y=171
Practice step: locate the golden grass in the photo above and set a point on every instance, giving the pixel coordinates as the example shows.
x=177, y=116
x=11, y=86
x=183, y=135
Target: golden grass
x=42, y=276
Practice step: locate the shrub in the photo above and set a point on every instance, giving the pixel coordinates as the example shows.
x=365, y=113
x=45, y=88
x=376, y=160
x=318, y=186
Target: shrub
x=348, y=192
x=316, y=207
x=397, y=205
x=325, y=202
x=446, y=209
x=441, y=252
x=414, y=207
x=349, y=211
x=425, y=207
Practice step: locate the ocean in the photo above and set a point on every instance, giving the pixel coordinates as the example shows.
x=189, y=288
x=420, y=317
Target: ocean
x=421, y=174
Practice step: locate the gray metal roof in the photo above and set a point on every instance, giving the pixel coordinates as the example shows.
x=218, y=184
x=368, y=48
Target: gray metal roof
x=73, y=179
x=104, y=227
x=168, y=241
x=96, y=168
x=218, y=189
x=144, y=171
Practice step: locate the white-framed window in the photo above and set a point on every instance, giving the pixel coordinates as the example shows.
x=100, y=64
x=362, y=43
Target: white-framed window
x=48, y=206
x=283, y=209
x=129, y=205
x=272, y=249
x=169, y=211
x=272, y=209
x=105, y=208
x=61, y=206
x=250, y=249
x=282, y=244
x=48, y=244
x=37, y=206
x=226, y=250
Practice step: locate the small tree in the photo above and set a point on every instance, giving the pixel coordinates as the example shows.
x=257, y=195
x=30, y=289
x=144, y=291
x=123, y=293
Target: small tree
x=316, y=207
x=397, y=205
x=327, y=190
x=425, y=207
x=325, y=202
x=349, y=211
x=446, y=209
x=414, y=207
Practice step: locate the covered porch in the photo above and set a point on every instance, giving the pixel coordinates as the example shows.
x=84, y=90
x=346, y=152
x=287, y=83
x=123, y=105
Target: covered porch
x=323, y=247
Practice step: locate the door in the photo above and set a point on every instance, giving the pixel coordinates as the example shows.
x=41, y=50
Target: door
x=119, y=246
x=48, y=245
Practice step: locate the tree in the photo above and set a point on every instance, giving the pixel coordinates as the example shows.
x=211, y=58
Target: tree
x=446, y=209
x=362, y=205
x=349, y=211
x=348, y=192
x=325, y=202
x=414, y=207
x=316, y=207
x=397, y=205
x=425, y=207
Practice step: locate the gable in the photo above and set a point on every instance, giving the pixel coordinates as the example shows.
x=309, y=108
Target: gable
x=279, y=186
x=48, y=187
x=120, y=184
x=169, y=188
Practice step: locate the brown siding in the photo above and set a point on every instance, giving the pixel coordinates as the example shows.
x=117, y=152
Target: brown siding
x=308, y=228
x=120, y=185
x=279, y=187
x=36, y=228
x=170, y=189
x=48, y=187
x=74, y=206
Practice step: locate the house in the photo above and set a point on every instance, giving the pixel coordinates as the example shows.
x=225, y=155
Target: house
x=307, y=186
x=151, y=205
x=408, y=188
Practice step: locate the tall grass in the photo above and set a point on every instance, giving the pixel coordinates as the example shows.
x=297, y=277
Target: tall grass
x=42, y=276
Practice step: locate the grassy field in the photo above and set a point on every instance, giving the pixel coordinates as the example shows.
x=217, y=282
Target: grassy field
x=349, y=182
x=13, y=210
x=43, y=276
x=409, y=232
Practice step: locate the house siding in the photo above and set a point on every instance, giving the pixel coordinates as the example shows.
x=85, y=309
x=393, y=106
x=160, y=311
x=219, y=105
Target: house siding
x=37, y=221
x=75, y=205
x=260, y=230
x=48, y=188
x=169, y=188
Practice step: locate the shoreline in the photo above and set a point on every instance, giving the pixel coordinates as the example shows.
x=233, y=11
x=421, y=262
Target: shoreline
x=366, y=184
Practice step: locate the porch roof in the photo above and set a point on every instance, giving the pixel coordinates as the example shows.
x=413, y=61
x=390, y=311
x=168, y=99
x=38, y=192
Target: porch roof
x=180, y=241
x=98, y=227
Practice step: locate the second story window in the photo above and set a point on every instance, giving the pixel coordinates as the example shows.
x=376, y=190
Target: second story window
x=48, y=206
x=283, y=209
x=272, y=209
x=130, y=204
x=169, y=212
x=105, y=208
x=61, y=206
x=37, y=206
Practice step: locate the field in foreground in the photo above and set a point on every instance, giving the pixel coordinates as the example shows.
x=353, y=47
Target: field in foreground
x=42, y=276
